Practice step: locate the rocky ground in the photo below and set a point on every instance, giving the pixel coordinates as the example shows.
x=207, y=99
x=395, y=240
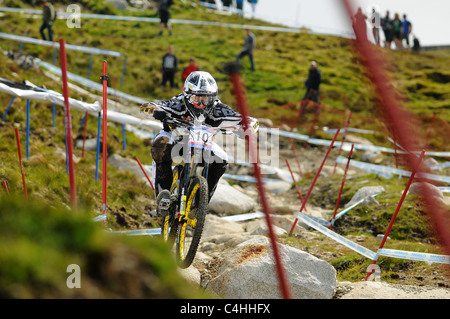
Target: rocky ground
x=219, y=238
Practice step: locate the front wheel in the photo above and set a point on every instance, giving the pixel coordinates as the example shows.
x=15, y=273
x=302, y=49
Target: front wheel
x=168, y=227
x=191, y=227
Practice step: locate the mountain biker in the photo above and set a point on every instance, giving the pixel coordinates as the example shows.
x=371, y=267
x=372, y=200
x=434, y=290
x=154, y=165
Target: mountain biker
x=198, y=100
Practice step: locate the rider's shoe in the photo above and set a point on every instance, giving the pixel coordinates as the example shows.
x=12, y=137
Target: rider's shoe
x=163, y=202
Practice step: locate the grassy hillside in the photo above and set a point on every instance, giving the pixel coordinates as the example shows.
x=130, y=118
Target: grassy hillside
x=282, y=61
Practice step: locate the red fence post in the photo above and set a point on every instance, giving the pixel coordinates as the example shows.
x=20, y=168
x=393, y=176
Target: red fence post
x=241, y=103
x=145, y=173
x=342, y=185
x=21, y=164
x=315, y=179
x=411, y=178
x=295, y=183
x=5, y=186
x=343, y=139
x=105, y=129
x=84, y=132
x=296, y=158
x=68, y=123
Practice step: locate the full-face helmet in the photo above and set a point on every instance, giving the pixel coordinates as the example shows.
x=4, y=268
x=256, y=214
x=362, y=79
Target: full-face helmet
x=200, y=92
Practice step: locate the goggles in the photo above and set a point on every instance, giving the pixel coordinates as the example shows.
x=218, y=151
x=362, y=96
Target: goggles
x=206, y=100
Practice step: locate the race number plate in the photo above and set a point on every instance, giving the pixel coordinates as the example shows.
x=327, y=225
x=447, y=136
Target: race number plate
x=201, y=137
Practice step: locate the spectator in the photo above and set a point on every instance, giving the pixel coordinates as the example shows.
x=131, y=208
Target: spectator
x=164, y=16
x=386, y=24
x=375, y=21
x=396, y=31
x=253, y=3
x=416, y=44
x=313, y=83
x=48, y=17
x=247, y=49
x=360, y=23
x=406, y=30
x=239, y=7
x=190, y=68
x=169, y=67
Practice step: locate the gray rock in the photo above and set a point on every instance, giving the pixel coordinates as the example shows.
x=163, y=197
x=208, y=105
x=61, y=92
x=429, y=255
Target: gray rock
x=249, y=272
x=365, y=192
x=228, y=200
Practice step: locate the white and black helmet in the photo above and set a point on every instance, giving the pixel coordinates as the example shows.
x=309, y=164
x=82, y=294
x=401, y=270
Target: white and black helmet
x=200, y=92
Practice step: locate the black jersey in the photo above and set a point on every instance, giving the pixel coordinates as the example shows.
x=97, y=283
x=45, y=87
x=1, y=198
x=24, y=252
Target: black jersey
x=221, y=114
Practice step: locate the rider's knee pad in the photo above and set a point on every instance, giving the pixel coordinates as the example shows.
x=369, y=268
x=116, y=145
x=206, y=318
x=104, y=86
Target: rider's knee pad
x=161, y=149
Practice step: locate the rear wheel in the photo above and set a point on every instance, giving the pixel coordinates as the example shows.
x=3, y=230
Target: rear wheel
x=168, y=227
x=190, y=230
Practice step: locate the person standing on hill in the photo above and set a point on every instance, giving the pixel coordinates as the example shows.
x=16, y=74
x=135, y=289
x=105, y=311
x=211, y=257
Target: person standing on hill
x=164, y=15
x=249, y=46
x=386, y=24
x=239, y=7
x=375, y=21
x=253, y=3
x=359, y=23
x=406, y=30
x=169, y=67
x=190, y=68
x=396, y=31
x=313, y=84
x=48, y=17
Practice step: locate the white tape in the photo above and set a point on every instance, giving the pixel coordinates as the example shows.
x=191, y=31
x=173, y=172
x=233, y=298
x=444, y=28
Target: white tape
x=444, y=189
x=385, y=170
x=242, y=217
x=338, y=238
x=139, y=232
x=349, y=208
x=72, y=47
x=442, y=259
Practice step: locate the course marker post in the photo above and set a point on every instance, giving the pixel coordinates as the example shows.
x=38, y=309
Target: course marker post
x=5, y=186
x=315, y=179
x=68, y=123
x=98, y=144
x=124, y=137
x=235, y=79
x=295, y=183
x=343, y=139
x=311, y=129
x=53, y=114
x=303, y=104
x=296, y=158
x=28, y=130
x=104, y=79
x=84, y=133
x=342, y=186
x=9, y=106
x=405, y=192
x=21, y=164
x=145, y=173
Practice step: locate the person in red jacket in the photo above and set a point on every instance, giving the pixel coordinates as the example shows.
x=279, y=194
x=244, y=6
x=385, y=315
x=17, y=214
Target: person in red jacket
x=190, y=68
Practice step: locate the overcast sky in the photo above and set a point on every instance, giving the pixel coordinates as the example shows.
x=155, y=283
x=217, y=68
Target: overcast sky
x=430, y=18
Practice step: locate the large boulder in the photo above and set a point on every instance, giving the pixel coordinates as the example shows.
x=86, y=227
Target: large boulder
x=435, y=192
x=228, y=200
x=249, y=272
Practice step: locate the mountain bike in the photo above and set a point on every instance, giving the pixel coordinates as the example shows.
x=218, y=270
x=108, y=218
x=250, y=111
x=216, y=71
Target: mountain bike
x=189, y=190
